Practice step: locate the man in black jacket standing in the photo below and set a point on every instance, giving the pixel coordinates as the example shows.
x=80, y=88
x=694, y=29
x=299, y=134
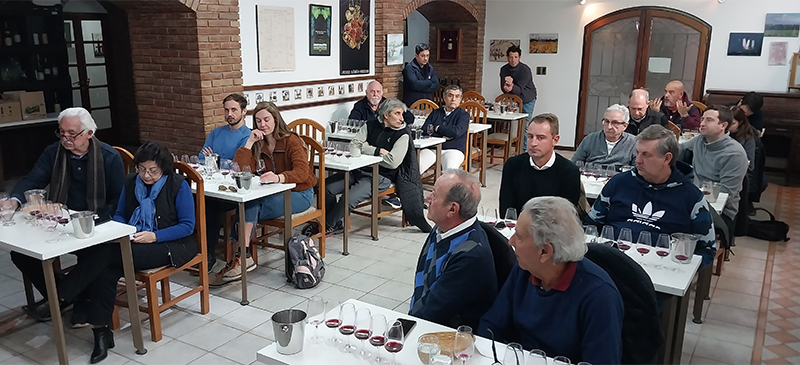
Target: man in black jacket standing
x=419, y=78
x=516, y=78
x=642, y=116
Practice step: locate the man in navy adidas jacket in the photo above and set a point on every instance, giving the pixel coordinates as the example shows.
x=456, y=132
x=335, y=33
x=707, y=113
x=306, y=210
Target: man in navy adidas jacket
x=657, y=196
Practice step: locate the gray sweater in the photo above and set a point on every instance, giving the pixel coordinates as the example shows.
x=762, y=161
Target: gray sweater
x=593, y=149
x=723, y=161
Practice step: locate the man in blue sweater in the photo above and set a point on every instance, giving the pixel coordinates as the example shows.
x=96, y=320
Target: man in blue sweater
x=224, y=140
x=452, y=123
x=419, y=78
x=657, y=195
x=555, y=299
x=455, y=282
x=611, y=145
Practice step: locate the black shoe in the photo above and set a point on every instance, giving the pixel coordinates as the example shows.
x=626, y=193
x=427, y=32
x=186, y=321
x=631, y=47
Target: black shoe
x=310, y=229
x=103, y=340
x=40, y=310
x=337, y=228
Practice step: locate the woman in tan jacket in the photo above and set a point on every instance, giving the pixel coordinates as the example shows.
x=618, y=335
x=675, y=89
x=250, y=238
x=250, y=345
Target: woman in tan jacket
x=286, y=160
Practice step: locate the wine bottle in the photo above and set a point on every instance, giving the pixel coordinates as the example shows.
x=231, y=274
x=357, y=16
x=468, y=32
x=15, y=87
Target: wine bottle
x=44, y=38
x=39, y=71
x=7, y=35
x=55, y=70
x=46, y=69
x=35, y=39
x=17, y=37
x=56, y=104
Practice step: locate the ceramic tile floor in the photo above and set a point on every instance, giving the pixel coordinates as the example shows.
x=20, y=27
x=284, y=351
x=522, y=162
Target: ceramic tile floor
x=381, y=272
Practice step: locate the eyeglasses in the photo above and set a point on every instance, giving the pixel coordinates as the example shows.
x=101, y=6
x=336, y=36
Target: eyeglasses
x=614, y=123
x=152, y=172
x=60, y=135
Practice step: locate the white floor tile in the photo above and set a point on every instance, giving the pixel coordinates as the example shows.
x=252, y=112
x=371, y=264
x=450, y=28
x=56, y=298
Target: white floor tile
x=212, y=359
x=243, y=349
x=277, y=300
x=244, y=318
x=174, y=352
x=210, y=336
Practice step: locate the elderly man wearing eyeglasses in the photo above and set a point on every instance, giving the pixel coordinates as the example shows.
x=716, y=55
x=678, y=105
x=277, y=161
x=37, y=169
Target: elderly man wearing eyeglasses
x=82, y=173
x=611, y=145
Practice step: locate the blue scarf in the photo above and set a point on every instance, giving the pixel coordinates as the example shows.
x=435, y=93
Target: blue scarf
x=144, y=216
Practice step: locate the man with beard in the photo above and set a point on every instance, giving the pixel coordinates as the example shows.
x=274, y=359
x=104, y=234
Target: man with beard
x=367, y=108
x=224, y=140
x=677, y=107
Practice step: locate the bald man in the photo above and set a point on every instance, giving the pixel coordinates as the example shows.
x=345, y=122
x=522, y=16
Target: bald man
x=367, y=108
x=677, y=106
x=641, y=114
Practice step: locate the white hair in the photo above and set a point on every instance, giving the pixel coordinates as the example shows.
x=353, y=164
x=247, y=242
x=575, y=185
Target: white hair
x=554, y=220
x=86, y=119
x=626, y=114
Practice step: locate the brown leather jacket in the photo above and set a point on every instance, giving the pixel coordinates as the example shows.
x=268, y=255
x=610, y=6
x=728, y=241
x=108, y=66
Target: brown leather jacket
x=289, y=157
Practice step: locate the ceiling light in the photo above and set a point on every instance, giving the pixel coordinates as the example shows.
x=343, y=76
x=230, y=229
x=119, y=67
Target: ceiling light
x=584, y=2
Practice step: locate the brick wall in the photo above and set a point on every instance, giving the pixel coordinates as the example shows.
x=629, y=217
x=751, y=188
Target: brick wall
x=469, y=15
x=186, y=59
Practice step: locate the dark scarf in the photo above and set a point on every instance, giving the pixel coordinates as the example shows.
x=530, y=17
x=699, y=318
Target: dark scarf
x=95, y=177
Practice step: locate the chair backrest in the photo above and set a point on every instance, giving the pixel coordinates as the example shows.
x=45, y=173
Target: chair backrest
x=308, y=127
x=504, y=257
x=700, y=106
x=194, y=179
x=508, y=98
x=641, y=324
x=438, y=95
x=675, y=129
x=472, y=95
x=127, y=159
x=477, y=112
x=315, y=150
x=427, y=106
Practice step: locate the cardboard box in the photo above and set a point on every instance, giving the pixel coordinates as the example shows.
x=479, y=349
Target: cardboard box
x=9, y=111
x=31, y=104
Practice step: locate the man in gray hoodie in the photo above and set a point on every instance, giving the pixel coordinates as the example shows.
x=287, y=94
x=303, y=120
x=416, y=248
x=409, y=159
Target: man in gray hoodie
x=612, y=145
x=719, y=158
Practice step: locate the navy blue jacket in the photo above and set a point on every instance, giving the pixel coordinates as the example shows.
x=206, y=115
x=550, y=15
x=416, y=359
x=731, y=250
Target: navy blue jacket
x=454, y=126
x=418, y=82
x=362, y=110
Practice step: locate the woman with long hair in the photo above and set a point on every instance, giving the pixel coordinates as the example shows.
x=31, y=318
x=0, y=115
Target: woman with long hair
x=744, y=133
x=285, y=160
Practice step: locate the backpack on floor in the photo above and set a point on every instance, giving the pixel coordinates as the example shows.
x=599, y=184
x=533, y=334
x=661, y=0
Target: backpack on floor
x=306, y=269
x=771, y=230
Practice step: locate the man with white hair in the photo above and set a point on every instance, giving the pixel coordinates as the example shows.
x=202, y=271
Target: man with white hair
x=641, y=114
x=555, y=299
x=367, y=108
x=611, y=145
x=80, y=172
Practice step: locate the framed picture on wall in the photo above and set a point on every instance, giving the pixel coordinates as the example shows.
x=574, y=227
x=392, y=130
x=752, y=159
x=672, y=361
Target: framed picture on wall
x=498, y=48
x=319, y=37
x=394, y=49
x=449, y=45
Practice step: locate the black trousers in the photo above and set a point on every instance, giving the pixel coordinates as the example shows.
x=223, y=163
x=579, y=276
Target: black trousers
x=215, y=211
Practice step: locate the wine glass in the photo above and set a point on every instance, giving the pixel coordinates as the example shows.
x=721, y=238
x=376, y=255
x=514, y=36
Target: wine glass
x=185, y=159
x=333, y=322
x=194, y=162
x=427, y=347
x=261, y=167
x=6, y=210
x=511, y=217
x=347, y=315
x=430, y=130
x=315, y=316
x=597, y=171
x=363, y=327
x=561, y=360
x=643, y=244
x=607, y=236
x=610, y=171
x=581, y=166
x=464, y=345
x=378, y=339
x=591, y=233
x=662, y=249
x=587, y=170
x=515, y=354
x=225, y=168
x=63, y=219
x=625, y=238
x=536, y=357
x=394, y=340
x=50, y=221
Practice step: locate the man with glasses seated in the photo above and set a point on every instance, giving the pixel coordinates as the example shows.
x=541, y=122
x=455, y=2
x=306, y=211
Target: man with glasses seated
x=554, y=299
x=452, y=123
x=455, y=283
x=82, y=173
x=611, y=145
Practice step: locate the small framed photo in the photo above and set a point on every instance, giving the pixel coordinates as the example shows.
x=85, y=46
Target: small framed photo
x=351, y=88
x=259, y=97
x=285, y=94
x=320, y=91
x=331, y=90
x=273, y=96
x=247, y=97
x=341, y=89
x=298, y=94
x=360, y=87
x=310, y=93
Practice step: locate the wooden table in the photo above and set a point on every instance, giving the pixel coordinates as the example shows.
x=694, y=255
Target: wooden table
x=30, y=241
x=473, y=129
x=258, y=192
x=346, y=165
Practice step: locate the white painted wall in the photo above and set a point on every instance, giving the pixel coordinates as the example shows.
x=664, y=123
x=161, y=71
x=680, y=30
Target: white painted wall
x=558, y=90
x=418, y=32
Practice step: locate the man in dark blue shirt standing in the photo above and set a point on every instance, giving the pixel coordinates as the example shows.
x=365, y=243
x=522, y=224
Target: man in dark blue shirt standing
x=419, y=78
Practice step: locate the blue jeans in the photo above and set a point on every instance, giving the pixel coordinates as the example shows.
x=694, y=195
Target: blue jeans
x=271, y=207
x=526, y=108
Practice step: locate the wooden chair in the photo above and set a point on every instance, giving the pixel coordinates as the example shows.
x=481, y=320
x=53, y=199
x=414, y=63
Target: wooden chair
x=150, y=278
x=438, y=95
x=316, y=212
x=309, y=128
x=427, y=106
x=127, y=160
x=381, y=212
x=675, y=129
x=700, y=106
x=504, y=134
x=472, y=95
x=478, y=114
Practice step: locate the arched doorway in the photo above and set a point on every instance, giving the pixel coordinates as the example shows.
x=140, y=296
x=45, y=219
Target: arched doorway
x=620, y=54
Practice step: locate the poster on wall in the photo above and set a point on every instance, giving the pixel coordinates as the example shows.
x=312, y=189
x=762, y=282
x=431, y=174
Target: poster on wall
x=354, y=56
x=782, y=25
x=777, y=53
x=319, y=37
x=745, y=44
x=498, y=48
x=543, y=43
x=275, y=33
x=394, y=49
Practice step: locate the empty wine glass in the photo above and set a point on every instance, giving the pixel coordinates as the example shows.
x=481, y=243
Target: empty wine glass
x=511, y=217
x=363, y=327
x=427, y=347
x=607, y=236
x=625, y=239
x=591, y=233
x=561, y=360
x=662, y=249
x=464, y=345
x=643, y=244
x=315, y=311
x=378, y=339
x=515, y=354
x=394, y=340
x=536, y=357
x=348, y=317
x=6, y=210
x=50, y=221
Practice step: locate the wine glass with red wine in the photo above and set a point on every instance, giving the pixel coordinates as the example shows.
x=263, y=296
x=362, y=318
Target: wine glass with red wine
x=662, y=249
x=347, y=315
x=644, y=243
x=394, y=340
x=607, y=237
x=261, y=167
x=511, y=217
x=63, y=219
x=333, y=322
x=625, y=238
x=363, y=332
x=378, y=339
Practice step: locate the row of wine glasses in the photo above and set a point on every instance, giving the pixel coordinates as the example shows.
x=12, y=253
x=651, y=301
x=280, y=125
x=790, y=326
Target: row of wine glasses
x=48, y=216
x=6, y=210
x=417, y=131
x=361, y=323
x=510, y=220
x=597, y=171
x=345, y=125
x=516, y=355
x=336, y=149
x=624, y=241
x=419, y=113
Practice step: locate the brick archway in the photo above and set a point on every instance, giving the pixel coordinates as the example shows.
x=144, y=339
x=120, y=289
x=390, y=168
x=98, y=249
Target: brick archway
x=467, y=15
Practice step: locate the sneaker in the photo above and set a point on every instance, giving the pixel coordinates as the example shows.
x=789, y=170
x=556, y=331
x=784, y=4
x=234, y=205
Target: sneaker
x=222, y=277
x=310, y=229
x=197, y=268
x=336, y=228
x=234, y=272
x=393, y=201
